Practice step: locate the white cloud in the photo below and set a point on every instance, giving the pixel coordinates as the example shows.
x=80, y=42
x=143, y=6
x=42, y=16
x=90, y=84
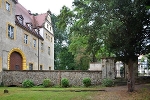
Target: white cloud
x=42, y=6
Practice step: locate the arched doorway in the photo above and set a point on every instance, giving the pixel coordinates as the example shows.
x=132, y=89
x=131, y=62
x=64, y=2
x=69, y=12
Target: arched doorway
x=15, y=61
x=20, y=61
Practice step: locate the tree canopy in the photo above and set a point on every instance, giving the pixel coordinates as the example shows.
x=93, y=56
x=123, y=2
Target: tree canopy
x=117, y=28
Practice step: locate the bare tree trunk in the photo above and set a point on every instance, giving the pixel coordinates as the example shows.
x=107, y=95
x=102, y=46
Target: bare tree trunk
x=131, y=78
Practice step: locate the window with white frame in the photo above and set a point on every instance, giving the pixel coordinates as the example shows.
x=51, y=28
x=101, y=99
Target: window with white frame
x=7, y=6
x=10, y=31
x=26, y=39
x=34, y=42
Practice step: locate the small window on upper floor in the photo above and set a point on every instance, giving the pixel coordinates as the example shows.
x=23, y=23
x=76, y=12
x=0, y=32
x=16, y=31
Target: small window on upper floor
x=10, y=31
x=49, y=50
x=41, y=46
x=50, y=28
x=51, y=39
x=46, y=36
x=25, y=38
x=34, y=42
x=47, y=26
x=7, y=6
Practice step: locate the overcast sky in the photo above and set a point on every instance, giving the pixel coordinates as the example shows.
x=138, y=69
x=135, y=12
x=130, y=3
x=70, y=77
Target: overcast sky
x=42, y=6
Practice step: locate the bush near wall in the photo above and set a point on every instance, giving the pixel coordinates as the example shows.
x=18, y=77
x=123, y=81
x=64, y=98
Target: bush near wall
x=46, y=83
x=86, y=82
x=65, y=82
x=27, y=83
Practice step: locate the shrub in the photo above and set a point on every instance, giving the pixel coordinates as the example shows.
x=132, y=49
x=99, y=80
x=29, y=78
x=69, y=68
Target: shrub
x=86, y=82
x=107, y=82
x=28, y=83
x=46, y=82
x=64, y=82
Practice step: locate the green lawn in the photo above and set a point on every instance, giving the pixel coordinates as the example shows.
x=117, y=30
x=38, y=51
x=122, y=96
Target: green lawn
x=17, y=93
x=81, y=93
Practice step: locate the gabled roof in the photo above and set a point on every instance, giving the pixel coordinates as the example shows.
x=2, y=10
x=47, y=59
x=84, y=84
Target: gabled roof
x=36, y=20
x=40, y=19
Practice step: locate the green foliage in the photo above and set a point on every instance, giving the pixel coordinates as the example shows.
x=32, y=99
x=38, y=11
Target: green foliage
x=65, y=82
x=86, y=82
x=46, y=83
x=107, y=82
x=66, y=60
x=27, y=83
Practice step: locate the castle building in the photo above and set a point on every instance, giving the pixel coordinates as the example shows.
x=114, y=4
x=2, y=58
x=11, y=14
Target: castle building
x=26, y=39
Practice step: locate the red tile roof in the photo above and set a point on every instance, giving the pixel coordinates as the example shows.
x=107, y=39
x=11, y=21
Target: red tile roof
x=37, y=21
x=40, y=19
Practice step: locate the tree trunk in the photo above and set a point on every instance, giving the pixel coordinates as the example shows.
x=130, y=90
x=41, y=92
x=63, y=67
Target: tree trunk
x=131, y=78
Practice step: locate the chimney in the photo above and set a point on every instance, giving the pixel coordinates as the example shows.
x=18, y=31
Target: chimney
x=29, y=12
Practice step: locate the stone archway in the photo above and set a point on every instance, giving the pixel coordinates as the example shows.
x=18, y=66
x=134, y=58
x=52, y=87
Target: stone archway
x=16, y=60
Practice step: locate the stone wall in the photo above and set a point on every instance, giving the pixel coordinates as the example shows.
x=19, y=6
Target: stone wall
x=75, y=77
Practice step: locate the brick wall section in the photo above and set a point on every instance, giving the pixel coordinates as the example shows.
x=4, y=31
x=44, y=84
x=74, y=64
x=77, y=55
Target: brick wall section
x=75, y=77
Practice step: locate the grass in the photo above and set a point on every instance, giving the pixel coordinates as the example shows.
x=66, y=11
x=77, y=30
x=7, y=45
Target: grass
x=17, y=93
x=73, y=93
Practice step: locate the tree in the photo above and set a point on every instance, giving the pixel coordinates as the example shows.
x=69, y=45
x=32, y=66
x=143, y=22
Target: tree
x=81, y=21
x=120, y=27
x=127, y=35
x=66, y=60
x=59, y=37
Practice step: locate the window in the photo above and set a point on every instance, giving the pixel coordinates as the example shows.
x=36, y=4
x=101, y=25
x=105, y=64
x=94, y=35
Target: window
x=47, y=26
x=41, y=46
x=34, y=42
x=49, y=68
x=29, y=25
x=41, y=67
x=50, y=28
x=20, y=18
x=7, y=6
x=26, y=39
x=36, y=30
x=49, y=50
x=10, y=31
x=51, y=39
x=46, y=36
x=30, y=66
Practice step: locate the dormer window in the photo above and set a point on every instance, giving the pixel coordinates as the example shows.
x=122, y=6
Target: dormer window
x=29, y=25
x=36, y=30
x=20, y=19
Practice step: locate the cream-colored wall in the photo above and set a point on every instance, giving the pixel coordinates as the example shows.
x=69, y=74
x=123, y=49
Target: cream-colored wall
x=27, y=50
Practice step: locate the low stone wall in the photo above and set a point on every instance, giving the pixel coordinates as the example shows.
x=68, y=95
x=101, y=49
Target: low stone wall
x=75, y=77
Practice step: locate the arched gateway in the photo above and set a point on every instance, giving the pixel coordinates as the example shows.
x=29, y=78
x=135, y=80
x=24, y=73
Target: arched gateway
x=16, y=60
